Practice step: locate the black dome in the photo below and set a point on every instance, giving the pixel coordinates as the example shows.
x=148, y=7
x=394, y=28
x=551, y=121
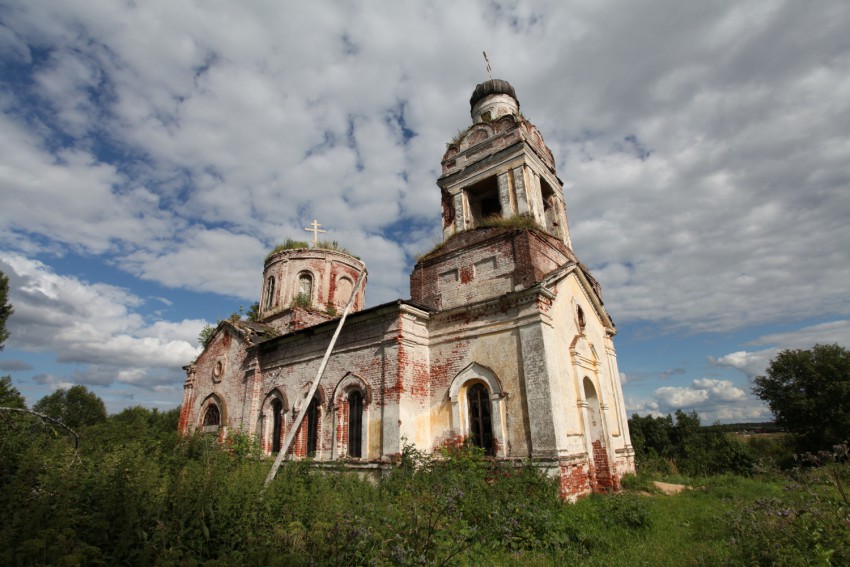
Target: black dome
x=492, y=87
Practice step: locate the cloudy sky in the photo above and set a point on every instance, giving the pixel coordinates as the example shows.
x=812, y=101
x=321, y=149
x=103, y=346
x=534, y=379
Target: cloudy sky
x=152, y=152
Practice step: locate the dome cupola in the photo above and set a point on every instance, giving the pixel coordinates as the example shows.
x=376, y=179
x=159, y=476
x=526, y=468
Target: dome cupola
x=493, y=99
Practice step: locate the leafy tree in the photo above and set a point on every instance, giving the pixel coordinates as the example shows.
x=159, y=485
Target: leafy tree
x=74, y=407
x=10, y=397
x=808, y=392
x=206, y=334
x=253, y=313
x=5, y=308
x=664, y=445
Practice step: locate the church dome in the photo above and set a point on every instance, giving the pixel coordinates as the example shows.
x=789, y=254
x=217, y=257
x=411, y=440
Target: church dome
x=493, y=99
x=492, y=87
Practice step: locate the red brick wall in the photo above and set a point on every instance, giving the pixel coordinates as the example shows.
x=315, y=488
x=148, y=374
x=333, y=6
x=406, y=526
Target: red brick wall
x=485, y=263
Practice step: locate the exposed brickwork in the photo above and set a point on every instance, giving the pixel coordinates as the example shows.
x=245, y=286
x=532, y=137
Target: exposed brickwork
x=575, y=479
x=601, y=469
x=483, y=263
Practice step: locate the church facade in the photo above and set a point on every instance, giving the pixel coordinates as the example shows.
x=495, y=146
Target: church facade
x=504, y=341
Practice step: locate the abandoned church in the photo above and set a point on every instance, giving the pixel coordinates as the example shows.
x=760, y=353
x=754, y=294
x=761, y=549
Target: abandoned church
x=504, y=342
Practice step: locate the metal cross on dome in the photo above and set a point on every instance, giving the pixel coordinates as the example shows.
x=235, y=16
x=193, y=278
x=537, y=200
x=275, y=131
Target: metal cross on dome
x=315, y=230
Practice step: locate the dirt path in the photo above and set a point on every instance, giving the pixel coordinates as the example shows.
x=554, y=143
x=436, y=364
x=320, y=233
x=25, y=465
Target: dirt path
x=668, y=488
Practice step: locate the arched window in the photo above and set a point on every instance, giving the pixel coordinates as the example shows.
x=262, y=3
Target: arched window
x=312, y=419
x=305, y=286
x=270, y=293
x=213, y=416
x=277, y=417
x=480, y=418
x=580, y=315
x=355, y=424
x=478, y=409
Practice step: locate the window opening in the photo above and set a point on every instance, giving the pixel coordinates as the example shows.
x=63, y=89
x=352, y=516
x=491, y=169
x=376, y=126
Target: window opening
x=213, y=416
x=480, y=418
x=483, y=199
x=355, y=424
x=277, y=417
x=550, y=208
x=270, y=293
x=305, y=288
x=581, y=321
x=312, y=427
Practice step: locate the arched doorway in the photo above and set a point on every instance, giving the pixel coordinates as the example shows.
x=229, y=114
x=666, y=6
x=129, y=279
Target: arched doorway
x=597, y=436
x=480, y=417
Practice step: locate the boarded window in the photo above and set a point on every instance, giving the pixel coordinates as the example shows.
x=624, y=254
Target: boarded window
x=312, y=427
x=277, y=423
x=480, y=418
x=213, y=416
x=270, y=293
x=344, y=288
x=355, y=424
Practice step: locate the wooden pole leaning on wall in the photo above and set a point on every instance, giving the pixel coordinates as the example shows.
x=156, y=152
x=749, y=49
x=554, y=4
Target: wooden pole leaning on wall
x=299, y=417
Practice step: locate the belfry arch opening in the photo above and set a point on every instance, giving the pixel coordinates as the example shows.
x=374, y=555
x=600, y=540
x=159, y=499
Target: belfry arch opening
x=483, y=200
x=550, y=207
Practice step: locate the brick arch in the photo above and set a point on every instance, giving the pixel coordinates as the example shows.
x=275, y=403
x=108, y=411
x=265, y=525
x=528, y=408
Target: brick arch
x=266, y=419
x=341, y=434
x=218, y=401
x=350, y=382
x=469, y=376
x=301, y=404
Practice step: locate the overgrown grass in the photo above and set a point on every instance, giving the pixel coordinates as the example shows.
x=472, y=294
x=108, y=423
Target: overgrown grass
x=137, y=494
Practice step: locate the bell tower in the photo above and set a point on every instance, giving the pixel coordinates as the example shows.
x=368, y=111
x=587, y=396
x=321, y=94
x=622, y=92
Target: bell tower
x=504, y=223
x=500, y=167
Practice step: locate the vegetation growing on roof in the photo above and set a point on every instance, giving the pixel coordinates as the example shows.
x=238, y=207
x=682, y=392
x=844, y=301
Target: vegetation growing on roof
x=515, y=221
x=524, y=222
x=301, y=300
x=292, y=244
x=458, y=137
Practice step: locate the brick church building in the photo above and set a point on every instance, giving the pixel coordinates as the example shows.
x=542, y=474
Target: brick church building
x=504, y=341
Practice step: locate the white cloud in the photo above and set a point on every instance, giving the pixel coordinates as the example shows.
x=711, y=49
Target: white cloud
x=712, y=399
x=750, y=363
x=97, y=325
x=824, y=333
x=700, y=174
x=754, y=363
